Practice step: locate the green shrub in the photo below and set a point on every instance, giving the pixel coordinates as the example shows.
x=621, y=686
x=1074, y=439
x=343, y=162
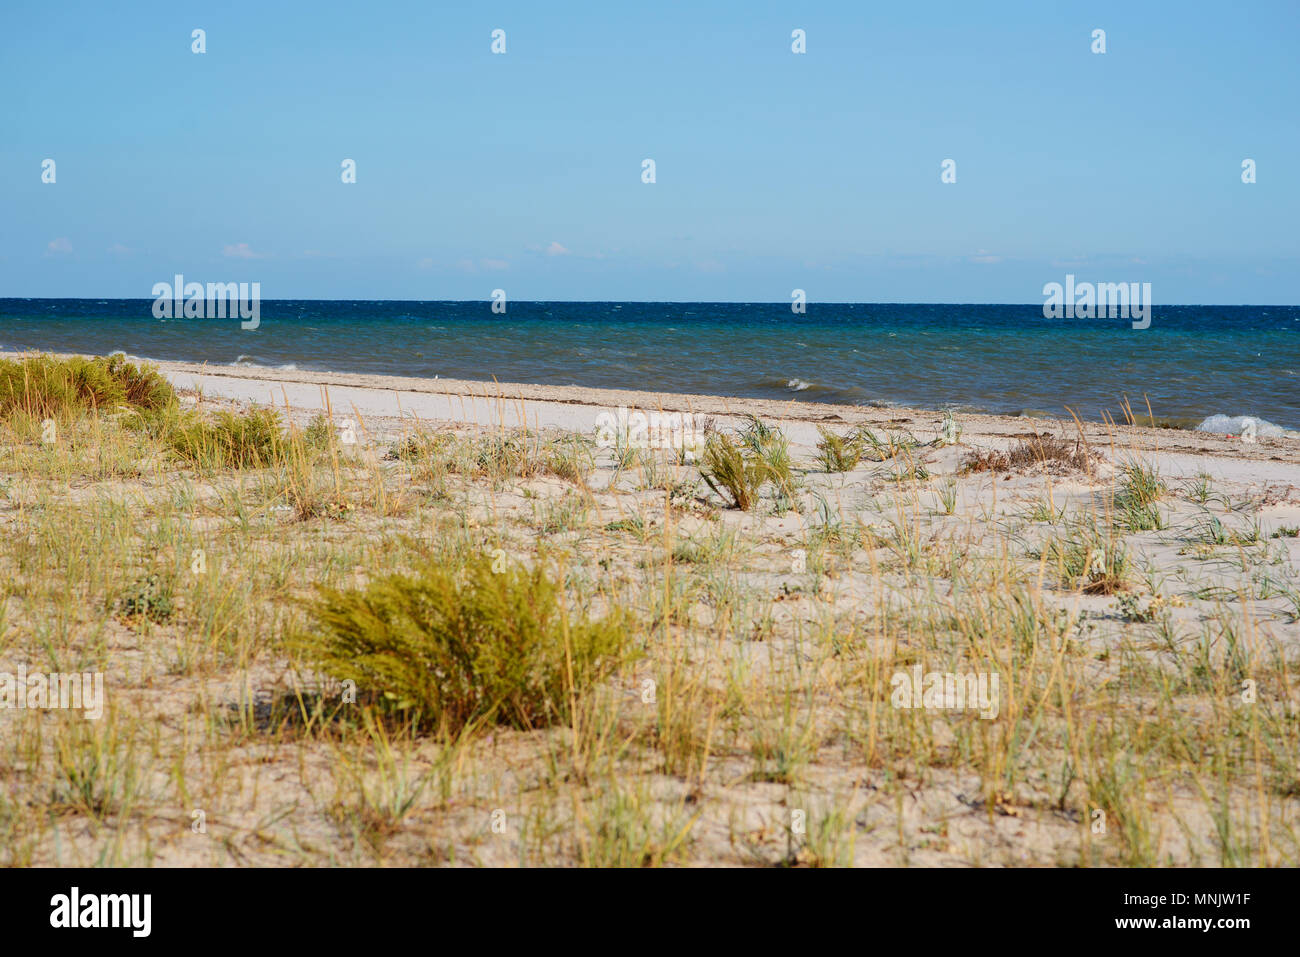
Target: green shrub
x=228, y=440
x=48, y=387
x=447, y=649
x=149, y=597
x=319, y=435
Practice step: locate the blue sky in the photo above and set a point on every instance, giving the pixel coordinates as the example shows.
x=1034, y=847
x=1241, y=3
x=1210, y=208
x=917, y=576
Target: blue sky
x=774, y=170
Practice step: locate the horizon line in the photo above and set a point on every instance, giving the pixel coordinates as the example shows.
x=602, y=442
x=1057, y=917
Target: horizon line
x=655, y=302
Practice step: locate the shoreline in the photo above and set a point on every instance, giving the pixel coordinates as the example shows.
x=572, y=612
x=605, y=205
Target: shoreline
x=395, y=402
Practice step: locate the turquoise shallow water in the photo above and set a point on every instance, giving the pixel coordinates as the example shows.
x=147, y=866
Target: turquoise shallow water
x=1193, y=361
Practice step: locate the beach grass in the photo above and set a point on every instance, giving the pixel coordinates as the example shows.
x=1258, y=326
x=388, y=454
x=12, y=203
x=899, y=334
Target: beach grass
x=438, y=644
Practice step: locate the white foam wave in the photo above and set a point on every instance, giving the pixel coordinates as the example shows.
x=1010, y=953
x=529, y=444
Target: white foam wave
x=1234, y=424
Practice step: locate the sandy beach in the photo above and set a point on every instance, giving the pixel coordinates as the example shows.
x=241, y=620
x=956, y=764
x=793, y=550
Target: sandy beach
x=1124, y=598
x=394, y=400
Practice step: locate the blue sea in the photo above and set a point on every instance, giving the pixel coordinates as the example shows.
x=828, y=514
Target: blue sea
x=1193, y=361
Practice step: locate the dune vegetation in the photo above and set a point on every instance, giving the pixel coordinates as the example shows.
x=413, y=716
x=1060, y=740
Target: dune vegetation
x=427, y=644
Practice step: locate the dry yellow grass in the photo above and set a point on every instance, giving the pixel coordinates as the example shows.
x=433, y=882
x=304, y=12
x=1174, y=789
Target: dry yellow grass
x=757, y=723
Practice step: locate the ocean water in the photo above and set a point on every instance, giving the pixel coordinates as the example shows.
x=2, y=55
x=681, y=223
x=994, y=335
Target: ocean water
x=1193, y=362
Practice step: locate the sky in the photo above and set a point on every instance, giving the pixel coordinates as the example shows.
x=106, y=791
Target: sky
x=774, y=170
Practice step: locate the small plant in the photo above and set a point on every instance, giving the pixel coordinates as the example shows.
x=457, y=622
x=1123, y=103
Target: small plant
x=1287, y=531
x=635, y=524
x=448, y=649
x=228, y=440
x=948, y=497
x=147, y=598
x=1130, y=609
x=1132, y=517
x=882, y=449
x=570, y=458
x=503, y=456
x=912, y=472
x=1045, y=511
x=1212, y=531
x=651, y=474
x=689, y=553
x=419, y=447
x=567, y=515
x=838, y=453
x=1142, y=486
x=950, y=431
x=332, y=508
x=1037, y=451
x=624, y=452
x=1199, y=490
x=731, y=473
x=1089, y=560
x=1157, y=609
x=318, y=435
x=770, y=446
x=621, y=830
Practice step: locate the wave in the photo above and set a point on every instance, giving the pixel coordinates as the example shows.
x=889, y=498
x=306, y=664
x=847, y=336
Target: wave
x=1234, y=424
x=253, y=362
x=813, y=392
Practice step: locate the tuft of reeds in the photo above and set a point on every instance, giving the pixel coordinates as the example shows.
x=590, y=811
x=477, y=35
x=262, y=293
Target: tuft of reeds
x=838, y=453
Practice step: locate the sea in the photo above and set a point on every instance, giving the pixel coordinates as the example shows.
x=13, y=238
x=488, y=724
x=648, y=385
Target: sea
x=1192, y=364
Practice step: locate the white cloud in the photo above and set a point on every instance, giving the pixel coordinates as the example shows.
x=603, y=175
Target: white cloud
x=60, y=245
x=555, y=249
x=486, y=265
x=240, y=251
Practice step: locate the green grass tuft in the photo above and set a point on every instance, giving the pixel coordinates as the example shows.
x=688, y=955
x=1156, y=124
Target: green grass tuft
x=47, y=387
x=228, y=440
x=448, y=650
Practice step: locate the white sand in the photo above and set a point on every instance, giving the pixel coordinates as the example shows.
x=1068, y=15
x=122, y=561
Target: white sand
x=385, y=402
